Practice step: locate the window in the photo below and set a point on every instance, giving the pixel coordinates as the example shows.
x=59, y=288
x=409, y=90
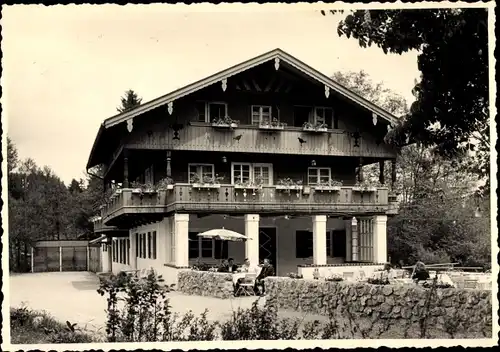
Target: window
x=318, y=175
x=246, y=172
x=207, y=246
x=154, y=245
x=144, y=247
x=260, y=114
x=150, y=247
x=194, y=245
x=201, y=108
x=136, y=244
x=149, y=175
x=301, y=115
x=365, y=240
x=322, y=115
x=198, y=172
x=128, y=251
x=303, y=244
x=216, y=111
x=335, y=243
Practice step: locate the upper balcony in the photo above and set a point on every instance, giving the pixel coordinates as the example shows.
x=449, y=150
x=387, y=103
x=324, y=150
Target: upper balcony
x=131, y=208
x=199, y=136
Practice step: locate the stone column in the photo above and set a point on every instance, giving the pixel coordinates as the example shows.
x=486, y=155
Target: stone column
x=125, y=168
x=354, y=240
x=381, y=176
x=111, y=249
x=319, y=239
x=60, y=258
x=181, y=233
x=252, y=232
x=348, y=241
x=88, y=258
x=132, y=251
x=32, y=260
x=380, y=239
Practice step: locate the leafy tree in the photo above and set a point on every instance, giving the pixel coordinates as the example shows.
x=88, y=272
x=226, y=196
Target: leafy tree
x=129, y=101
x=451, y=107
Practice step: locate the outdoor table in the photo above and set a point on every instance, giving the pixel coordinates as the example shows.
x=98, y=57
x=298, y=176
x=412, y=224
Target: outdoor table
x=237, y=276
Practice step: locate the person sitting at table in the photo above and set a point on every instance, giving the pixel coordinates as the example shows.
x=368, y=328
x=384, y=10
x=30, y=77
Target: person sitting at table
x=224, y=267
x=245, y=266
x=232, y=268
x=267, y=270
x=420, y=273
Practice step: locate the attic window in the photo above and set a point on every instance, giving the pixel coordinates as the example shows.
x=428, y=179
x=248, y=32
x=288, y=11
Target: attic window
x=201, y=108
x=216, y=111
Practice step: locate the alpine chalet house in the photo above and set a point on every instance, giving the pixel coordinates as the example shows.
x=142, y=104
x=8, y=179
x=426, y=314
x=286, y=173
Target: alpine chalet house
x=269, y=148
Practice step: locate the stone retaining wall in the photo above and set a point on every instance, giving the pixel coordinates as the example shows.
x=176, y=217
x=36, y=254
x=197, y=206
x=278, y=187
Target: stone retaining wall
x=205, y=283
x=397, y=308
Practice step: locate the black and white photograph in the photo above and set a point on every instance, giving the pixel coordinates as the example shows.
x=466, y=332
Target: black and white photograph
x=295, y=175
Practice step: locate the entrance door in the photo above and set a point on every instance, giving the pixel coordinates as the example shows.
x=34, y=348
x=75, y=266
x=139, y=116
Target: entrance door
x=267, y=245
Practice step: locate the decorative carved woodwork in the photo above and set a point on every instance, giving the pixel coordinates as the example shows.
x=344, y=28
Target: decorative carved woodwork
x=327, y=91
x=169, y=163
x=224, y=84
x=170, y=107
x=130, y=124
x=277, y=63
x=374, y=119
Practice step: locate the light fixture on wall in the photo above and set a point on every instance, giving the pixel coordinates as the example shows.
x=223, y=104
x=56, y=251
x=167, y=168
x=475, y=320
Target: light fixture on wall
x=287, y=217
x=224, y=159
x=313, y=162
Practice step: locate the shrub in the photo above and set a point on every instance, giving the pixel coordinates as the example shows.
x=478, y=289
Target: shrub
x=146, y=313
x=32, y=327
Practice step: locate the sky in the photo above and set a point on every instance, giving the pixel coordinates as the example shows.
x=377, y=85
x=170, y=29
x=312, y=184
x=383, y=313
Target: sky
x=66, y=67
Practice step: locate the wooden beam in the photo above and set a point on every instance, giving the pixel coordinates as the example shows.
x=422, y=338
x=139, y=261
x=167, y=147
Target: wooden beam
x=270, y=84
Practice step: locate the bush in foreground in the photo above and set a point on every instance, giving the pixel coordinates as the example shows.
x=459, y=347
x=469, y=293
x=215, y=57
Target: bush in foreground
x=32, y=327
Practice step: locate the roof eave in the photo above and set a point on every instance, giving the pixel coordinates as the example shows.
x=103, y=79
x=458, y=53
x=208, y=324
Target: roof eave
x=90, y=163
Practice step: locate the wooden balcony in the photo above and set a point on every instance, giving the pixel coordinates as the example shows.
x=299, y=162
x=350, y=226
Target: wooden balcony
x=252, y=139
x=130, y=208
x=99, y=227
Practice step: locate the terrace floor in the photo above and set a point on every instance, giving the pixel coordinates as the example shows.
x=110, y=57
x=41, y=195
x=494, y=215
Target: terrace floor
x=72, y=296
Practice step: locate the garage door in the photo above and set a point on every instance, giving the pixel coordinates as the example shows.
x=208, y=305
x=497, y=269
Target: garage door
x=46, y=259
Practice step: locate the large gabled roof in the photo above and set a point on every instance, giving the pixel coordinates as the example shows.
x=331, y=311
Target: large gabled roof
x=256, y=61
x=231, y=71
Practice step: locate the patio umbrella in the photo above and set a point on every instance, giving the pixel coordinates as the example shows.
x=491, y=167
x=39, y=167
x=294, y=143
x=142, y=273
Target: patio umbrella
x=223, y=235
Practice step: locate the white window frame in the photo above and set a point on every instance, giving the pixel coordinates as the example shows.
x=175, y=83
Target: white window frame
x=317, y=169
x=324, y=108
x=260, y=113
x=207, y=109
x=252, y=171
x=198, y=171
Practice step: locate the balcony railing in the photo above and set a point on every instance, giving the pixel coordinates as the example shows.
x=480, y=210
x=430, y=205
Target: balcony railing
x=230, y=199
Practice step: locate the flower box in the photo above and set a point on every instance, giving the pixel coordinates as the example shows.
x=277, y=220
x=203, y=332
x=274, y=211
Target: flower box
x=143, y=191
x=224, y=125
x=289, y=187
x=206, y=185
x=252, y=187
x=327, y=188
x=272, y=127
x=315, y=129
x=364, y=189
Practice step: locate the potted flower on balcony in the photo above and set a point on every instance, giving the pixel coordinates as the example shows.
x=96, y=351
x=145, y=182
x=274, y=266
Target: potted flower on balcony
x=205, y=182
x=287, y=184
x=273, y=124
x=330, y=186
x=143, y=188
x=365, y=187
x=165, y=184
x=252, y=185
x=225, y=122
x=319, y=127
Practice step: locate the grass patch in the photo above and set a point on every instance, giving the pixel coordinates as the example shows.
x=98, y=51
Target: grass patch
x=33, y=327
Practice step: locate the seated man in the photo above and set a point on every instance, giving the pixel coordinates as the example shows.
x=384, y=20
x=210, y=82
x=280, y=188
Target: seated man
x=420, y=273
x=224, y=267
x=267, y=270
x=232, y=268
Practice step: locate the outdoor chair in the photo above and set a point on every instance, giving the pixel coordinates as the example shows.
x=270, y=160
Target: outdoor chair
x=348, y=275
x=247, y=285
x=470, y=284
